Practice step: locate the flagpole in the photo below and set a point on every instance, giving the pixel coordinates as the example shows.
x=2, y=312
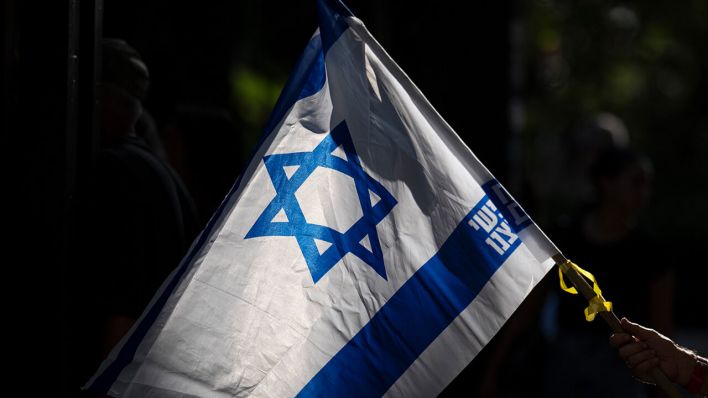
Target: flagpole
x=586, y=290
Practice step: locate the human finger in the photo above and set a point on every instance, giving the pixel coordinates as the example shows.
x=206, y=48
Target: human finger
x=617, y=340
x=630, y=349
x=642, y=356
x=637, y=330
x=646, y=366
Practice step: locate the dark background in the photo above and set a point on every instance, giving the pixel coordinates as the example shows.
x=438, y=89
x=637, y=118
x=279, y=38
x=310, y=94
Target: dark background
x=512, y=78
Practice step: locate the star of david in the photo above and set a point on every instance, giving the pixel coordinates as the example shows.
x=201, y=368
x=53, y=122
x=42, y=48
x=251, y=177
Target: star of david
x=361, y=239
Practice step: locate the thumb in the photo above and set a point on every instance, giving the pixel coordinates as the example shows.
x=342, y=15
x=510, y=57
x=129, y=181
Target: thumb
x=637, y=330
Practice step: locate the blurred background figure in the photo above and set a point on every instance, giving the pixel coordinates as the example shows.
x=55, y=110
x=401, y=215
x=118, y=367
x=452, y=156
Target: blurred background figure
x=204, y=147
x=629, y=264
x=140, y=220
x=587, y=141
x=560, y=180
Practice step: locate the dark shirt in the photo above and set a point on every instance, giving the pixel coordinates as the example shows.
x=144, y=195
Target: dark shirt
x=138, y=224
x=141, y=225
x=624, y=270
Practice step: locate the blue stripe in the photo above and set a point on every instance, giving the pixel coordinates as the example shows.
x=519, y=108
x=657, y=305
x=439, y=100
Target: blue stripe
x=316, y=76
x=309, y=74
x=331, y=15
x=415, y=315
x=304, y=75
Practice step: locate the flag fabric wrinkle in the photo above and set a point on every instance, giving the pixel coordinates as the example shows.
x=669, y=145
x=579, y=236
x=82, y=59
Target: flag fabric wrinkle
x=365, y=251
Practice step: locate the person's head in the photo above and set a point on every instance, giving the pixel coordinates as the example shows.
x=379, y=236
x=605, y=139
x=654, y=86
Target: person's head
x=622, y=178
x=124, y=84
x=592, y=136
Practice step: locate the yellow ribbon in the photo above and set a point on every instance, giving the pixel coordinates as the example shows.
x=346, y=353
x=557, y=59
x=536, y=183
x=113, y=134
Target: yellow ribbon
x=597, y=303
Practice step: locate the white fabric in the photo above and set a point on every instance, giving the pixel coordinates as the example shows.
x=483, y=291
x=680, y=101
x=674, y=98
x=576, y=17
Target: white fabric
x=248, y=319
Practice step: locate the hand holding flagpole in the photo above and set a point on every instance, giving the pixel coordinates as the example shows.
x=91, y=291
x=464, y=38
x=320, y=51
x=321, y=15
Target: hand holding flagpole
x=604, y=309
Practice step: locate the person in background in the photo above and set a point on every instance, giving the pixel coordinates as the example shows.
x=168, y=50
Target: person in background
x=204, y=148
x=607, y=239
x=140, y=219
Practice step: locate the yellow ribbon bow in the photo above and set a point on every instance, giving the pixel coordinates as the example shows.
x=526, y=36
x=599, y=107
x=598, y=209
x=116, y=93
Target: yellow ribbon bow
x=597, y=303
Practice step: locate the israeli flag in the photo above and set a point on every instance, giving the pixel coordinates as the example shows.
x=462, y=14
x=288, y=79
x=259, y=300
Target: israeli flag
x=364, y=252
